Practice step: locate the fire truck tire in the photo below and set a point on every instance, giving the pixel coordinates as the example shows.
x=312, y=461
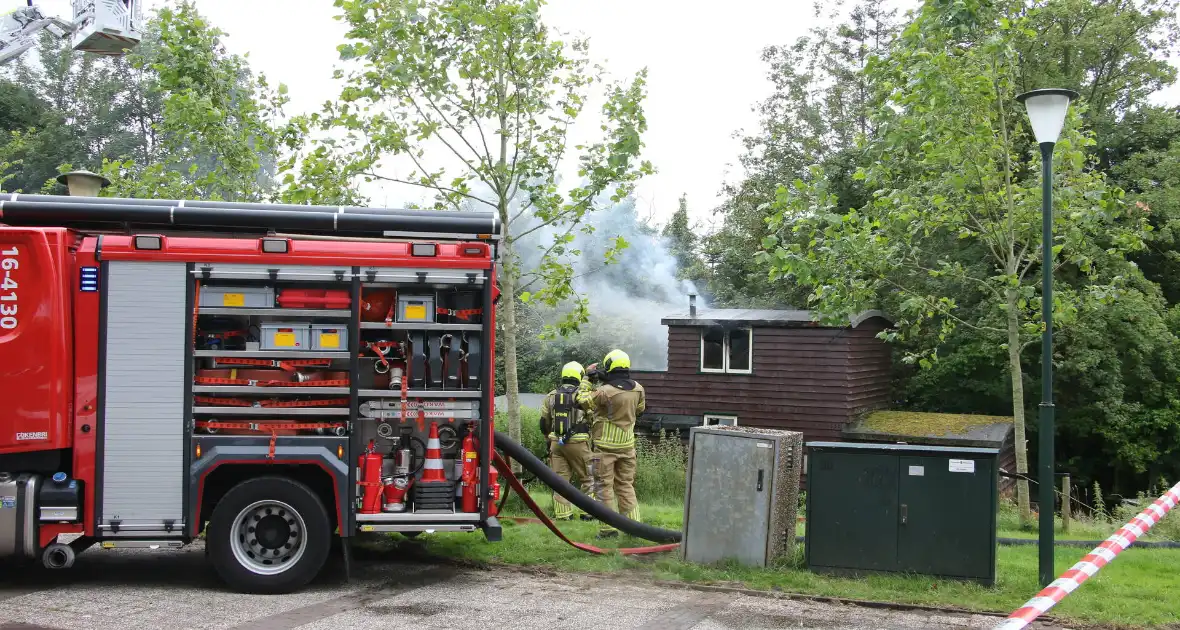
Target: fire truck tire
x=269, y=535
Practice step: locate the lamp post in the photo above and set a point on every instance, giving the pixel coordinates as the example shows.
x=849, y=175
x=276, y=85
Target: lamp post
x=1046, y=112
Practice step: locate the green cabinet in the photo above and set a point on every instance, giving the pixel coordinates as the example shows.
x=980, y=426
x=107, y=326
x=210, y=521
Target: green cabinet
x=900, y=508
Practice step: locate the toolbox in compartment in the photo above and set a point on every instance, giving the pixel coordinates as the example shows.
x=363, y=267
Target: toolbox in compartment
x=415, y=308
x=285, y=336
x=329, y=337
x=314, y=298
x=237, y=297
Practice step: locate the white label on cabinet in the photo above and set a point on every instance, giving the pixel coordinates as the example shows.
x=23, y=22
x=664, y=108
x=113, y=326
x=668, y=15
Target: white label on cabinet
x=917, y=471
x=963, y=465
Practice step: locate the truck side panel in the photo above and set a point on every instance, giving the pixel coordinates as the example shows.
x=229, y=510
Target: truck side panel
x=87, y=316
x=143, y=438
x=36, y=267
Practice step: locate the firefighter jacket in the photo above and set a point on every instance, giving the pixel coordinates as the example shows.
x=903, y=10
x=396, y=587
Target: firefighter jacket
x=552, y=407
x=615, y=404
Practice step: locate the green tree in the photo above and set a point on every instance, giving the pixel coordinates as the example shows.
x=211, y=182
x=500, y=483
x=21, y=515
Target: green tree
x=484, y=81
x=177, y=117
x=951, y=235
x=1114, y=53
x=74, y=108
x=820, y=103
x=681, y=237
x=1144, y=155
x=218, y=133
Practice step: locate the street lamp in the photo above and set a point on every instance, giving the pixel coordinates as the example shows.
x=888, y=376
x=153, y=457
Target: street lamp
x=1046, y=112
x=83, y=183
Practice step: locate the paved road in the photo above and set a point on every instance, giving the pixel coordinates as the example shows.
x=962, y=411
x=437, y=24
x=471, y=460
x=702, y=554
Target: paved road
x=175, y=589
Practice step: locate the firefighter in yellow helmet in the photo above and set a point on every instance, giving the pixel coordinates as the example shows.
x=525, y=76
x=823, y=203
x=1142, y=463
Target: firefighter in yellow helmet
x=566, y=425
x=616, y=403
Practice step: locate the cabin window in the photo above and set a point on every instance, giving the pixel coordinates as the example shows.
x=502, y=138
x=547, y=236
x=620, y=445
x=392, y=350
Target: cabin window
x=726, y=350
x=716, y=420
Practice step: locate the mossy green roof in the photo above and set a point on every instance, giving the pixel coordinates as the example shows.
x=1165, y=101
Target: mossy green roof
x=917, y=426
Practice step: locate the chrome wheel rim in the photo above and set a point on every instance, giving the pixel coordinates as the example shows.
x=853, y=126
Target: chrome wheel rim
x=268, y=537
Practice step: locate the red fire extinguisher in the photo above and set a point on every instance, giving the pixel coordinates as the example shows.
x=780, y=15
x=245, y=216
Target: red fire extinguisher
x=370, y=465
x=494, y=480
x=470, y=474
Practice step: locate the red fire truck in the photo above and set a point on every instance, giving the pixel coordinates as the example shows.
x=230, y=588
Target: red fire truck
x=268, y=376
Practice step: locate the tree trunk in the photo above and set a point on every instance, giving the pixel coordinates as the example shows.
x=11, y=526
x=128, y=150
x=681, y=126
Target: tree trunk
x=1021, y=442
x=508, y=282
x=509, y=278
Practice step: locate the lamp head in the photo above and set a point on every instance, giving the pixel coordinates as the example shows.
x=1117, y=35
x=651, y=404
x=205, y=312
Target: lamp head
x=1046, y=111
x=83, y=183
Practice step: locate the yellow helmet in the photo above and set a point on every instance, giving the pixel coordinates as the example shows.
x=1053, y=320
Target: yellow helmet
x=574, y=370
x=616, y=360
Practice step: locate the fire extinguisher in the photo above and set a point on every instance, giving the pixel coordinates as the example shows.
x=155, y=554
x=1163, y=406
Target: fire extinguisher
x=470, y=474
x=494, y=481
x=370, y=466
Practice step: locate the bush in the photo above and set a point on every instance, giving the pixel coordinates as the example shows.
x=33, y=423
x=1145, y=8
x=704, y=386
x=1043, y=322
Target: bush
x=660, y=466
x=530, y=430
x=1166, y=529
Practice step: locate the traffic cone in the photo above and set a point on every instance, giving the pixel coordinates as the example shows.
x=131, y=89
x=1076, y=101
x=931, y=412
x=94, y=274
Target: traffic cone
x=433, y=468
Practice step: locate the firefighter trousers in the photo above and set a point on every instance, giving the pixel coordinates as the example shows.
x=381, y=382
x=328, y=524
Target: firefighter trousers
x=614, y=472
x=571, y=462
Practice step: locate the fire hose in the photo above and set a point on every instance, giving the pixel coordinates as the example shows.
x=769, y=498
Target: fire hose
x=575, y=496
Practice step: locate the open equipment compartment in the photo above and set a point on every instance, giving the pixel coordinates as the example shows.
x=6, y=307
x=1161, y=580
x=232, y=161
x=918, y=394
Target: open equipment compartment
x=413, y=365
x=422, y=372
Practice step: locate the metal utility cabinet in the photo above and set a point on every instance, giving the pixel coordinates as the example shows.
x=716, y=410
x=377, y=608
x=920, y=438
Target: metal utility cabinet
x=901, y=508
x=742, y=495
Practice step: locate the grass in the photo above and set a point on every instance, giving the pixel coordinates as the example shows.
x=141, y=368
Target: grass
x=1137, y=590
x=928, y=424
x=660, y=464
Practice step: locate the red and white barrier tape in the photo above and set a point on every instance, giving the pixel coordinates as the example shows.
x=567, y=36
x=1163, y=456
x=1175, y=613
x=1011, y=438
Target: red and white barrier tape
x=1101, y=556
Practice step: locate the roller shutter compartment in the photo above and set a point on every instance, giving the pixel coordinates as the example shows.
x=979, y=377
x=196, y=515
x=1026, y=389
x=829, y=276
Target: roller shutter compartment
x=143, y=423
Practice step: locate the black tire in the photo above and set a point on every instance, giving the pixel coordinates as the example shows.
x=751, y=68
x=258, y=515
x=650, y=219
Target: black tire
x=307, y=526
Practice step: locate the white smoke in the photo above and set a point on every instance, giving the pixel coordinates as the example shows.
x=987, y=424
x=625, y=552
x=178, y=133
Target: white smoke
x=627, y=298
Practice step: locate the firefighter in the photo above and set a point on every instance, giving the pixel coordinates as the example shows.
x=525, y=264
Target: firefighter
x=615, y=403
x=566, y=426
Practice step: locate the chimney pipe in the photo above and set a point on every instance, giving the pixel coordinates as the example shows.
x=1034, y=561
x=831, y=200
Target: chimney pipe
x=692, y=304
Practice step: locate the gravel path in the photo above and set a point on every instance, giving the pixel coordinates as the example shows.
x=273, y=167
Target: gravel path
x=176, y=589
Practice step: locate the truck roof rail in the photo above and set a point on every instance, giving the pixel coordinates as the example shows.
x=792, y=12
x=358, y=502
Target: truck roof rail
x=106, y=212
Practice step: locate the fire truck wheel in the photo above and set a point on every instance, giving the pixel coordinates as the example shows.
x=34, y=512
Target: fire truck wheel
x=268, y=535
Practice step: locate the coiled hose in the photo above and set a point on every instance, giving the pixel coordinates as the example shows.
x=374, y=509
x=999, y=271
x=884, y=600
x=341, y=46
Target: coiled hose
x=592, y=507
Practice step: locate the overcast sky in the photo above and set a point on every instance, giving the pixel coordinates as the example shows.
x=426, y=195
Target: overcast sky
x=705, y=74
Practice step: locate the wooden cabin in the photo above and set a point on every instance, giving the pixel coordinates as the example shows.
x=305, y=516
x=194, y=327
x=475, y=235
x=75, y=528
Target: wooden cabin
x=780, y=369
x=776, y=369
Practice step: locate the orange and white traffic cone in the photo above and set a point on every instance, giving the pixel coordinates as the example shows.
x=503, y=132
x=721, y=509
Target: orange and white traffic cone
x=432, y=470
x=433, y=492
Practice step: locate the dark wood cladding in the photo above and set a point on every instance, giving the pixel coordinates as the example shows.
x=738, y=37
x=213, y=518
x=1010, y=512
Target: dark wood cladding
x=809, y=379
